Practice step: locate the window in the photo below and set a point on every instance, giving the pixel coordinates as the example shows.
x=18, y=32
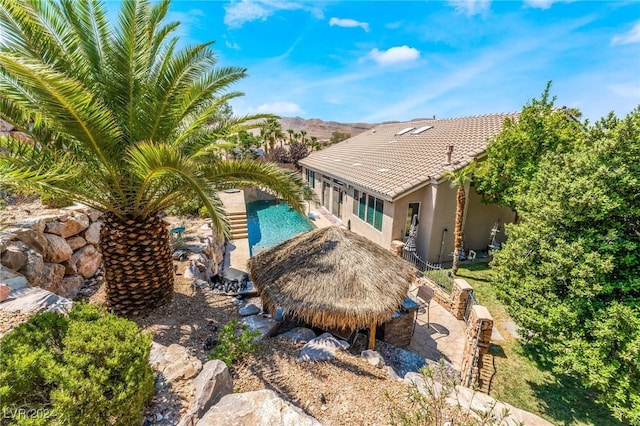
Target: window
x=362, y=206
x=311, y=178
x=368, y=208
x=413, y=209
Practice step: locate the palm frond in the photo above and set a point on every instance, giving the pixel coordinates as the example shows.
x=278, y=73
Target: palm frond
x=286, y=185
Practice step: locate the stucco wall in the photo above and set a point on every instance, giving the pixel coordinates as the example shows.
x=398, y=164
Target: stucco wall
x=444, y=216
x=481, y=218
x=425, y=197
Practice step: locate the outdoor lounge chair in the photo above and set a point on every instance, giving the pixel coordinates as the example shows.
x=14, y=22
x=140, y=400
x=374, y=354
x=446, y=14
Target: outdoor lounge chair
x=424, y=294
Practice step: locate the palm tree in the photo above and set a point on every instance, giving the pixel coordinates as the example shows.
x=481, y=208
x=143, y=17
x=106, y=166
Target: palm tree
x=291, y=132
x=459, y=178
x=271, y=132
x=117, y=119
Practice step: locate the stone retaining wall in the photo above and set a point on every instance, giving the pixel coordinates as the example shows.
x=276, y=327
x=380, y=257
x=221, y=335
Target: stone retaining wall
x=60, y=251
x=56, y=252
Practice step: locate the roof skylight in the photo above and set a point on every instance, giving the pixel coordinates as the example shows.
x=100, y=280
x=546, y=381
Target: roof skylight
x=403, y=131
x=421, y=129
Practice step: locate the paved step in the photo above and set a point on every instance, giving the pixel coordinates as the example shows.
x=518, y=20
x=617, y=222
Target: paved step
x=487, y=373
x=239, y=236
x=236, y=214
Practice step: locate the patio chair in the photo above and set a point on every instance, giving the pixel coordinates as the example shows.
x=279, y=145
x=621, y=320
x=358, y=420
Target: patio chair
x=424, y=294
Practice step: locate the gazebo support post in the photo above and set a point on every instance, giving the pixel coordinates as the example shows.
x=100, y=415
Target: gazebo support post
x=372, y=336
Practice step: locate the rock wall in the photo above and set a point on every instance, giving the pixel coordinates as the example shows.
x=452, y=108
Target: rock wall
x=56, y=252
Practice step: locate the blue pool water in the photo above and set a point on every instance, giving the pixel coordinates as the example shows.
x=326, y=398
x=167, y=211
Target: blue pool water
x=271, y=222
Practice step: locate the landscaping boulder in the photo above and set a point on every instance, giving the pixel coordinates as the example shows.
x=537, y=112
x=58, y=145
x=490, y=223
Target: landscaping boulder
x=37, y=223
x=70, y=286
x=14, y=256
x=76, y=242
x=53, y=272
x=373, y=358
x=213, y=382
x=86, y=261
x=249, y=309
x=322, y=348
x=31, y=237
x=5, y=291
x=261, y=407
x=33, y=270
x=174, y=362
x=58, y=250
x=299, y=334
x=35, y=299
x=73, y=225
x=92, y=234
x=266, y=325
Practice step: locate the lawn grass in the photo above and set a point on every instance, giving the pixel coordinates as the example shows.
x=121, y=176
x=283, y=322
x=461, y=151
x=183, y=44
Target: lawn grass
x=522, y=377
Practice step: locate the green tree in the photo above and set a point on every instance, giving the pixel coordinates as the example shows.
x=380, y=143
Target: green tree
x=339, y=137
x=118, y=121
x=513, y=156
x=570, y=270
x=459, y=179
x=271, y=132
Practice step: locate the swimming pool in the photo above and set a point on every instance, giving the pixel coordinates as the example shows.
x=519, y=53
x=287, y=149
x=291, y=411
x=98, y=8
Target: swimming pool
x=270, y=222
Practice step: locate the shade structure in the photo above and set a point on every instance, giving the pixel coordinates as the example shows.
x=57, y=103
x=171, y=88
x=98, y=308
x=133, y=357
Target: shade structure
x=332, y=278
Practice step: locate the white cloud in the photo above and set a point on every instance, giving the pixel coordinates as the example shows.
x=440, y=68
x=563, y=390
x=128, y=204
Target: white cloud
x=471, y=7
x=281, y=108
x=394, y=55
x=239, y=12
x=189, y=23
x=232, y=44
x=630, y=37
x=544, y=4
x=348, y=23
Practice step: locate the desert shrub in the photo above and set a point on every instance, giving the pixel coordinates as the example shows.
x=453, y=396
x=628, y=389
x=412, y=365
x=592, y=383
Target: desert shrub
x=298, y=151
x=234, y=342
x=279, y=154
x=91, y=367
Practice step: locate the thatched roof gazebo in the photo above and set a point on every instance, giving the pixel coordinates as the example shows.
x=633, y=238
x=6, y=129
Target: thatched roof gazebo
x=332, y=278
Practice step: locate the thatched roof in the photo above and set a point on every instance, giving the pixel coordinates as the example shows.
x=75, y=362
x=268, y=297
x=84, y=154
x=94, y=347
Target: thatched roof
x=332, y=278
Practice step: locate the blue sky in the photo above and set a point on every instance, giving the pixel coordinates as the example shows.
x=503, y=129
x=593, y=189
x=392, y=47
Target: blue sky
x=374, y=61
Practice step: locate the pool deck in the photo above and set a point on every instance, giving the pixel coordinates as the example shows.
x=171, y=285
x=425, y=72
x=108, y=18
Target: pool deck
x=237, y=253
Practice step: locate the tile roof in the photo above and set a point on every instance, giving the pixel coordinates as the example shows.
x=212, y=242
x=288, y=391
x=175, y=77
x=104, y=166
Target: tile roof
x=390, y=164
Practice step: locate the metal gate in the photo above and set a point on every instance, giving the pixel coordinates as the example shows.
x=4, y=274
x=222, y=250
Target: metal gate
x=471, y=300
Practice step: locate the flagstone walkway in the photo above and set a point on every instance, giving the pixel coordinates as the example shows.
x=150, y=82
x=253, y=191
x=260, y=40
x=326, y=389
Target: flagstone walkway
x=444, y=337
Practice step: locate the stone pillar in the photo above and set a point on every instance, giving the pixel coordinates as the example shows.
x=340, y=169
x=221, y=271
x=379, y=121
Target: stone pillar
x=397, y=247
x=459, y=294
x=478, y=338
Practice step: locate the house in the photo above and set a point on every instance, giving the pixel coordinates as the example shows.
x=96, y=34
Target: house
x=378, y=180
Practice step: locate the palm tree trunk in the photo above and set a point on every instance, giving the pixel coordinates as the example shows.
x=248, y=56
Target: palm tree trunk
x=138, y=267
x=457, y=236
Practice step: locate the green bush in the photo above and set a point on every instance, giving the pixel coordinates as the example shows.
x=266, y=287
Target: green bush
x=91, y=367
x=234, y=343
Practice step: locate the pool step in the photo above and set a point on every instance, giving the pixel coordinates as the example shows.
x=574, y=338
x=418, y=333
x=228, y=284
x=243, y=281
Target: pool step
x=238, y=225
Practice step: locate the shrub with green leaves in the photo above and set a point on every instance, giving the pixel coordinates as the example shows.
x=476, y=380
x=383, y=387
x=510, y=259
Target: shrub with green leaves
x=90, y=367
x=234, y=342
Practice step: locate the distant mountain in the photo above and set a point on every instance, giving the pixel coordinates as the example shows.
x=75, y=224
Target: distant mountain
x=322, y=129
